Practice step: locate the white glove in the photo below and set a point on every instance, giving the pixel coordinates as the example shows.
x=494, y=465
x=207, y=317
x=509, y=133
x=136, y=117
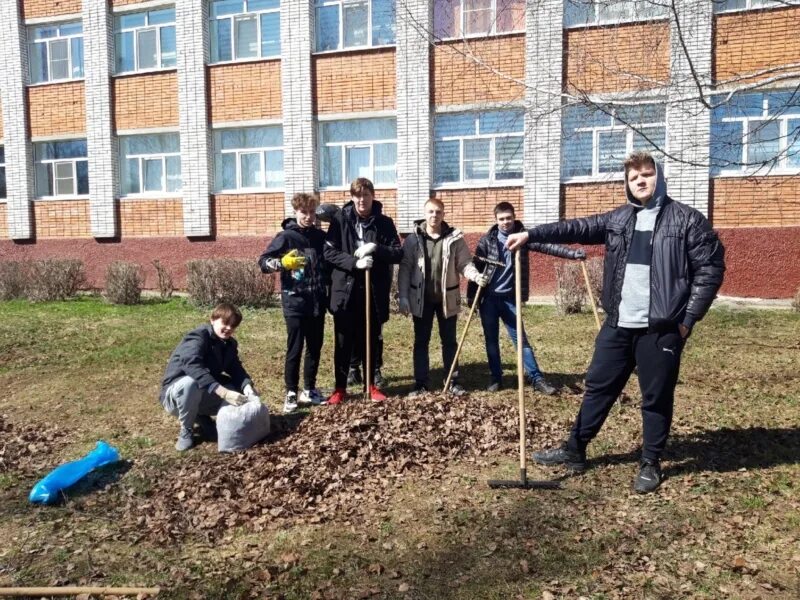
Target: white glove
x=254, y=398
x=249, y=391
x=365, y=250
x=234, y=398
x=364, y=263
x=482, y=280
x=405, y=306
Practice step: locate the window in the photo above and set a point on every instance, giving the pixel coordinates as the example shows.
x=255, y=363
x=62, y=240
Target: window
x=596, y=139
x=249, y=159
x=61, y=168
x=354, y=23
x=2, y=172
x=461, y=18
x=756, y=131
x=145, y=41
x=358, y=148
x=56, y=52
x=730, y=5
x=595, y=12
x=485, y=147
x=150, y=164
x=242, y=29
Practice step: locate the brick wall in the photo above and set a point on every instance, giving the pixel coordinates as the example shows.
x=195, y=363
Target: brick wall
x=750, y=41
x=57, y=108
x=3, y=221
x=337, y=91
x=245, y=91
x=473, y=210
x=61, y=219
x=150, y=218
x=386, y=197
x=481, y=70
x=615, y=59
x=756, y=202
x=583, y=199
x=142, y=101
x=33, y=9
x=248, y=214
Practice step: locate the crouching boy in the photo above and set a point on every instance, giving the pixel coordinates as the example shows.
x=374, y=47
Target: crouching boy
x=203, y=372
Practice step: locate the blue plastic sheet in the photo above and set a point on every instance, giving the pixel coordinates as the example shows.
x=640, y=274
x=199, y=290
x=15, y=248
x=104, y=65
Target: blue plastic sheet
x=48, y=490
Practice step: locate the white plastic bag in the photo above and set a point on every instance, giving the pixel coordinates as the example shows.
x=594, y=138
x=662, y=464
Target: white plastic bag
x=239, y=427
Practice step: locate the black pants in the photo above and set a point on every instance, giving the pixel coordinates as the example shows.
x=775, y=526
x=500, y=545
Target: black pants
x=350, y=327
x=311, y=330
x=617, y=351
x=423, y=326
x=356, y=359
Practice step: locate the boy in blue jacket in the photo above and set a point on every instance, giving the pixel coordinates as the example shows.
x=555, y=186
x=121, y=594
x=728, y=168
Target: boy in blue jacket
x=296, y=252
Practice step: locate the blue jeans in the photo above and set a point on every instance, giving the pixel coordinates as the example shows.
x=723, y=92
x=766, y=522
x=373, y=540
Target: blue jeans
x=494, y=308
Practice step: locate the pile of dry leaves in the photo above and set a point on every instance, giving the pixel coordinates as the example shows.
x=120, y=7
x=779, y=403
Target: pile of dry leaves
x=23, y=447
x=334, y=462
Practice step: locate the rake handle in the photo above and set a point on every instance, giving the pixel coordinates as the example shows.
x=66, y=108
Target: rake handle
x=461, y=342
x=591, y=295
x=520, y=373
x=367, y=349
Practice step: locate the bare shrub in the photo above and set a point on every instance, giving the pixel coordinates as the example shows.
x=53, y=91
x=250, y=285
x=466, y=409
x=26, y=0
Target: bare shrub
x=796, y=301
x=570, y=288
x=123, y=283
x=594, y=268
x=238, y=281
x=12, y=280
x=54, y=279
x=166, y=285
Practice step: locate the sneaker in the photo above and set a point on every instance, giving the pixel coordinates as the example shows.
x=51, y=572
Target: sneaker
x=312, y=397
x=290, y=403
x=419, y=390
x=494, y=386
x=456, y=389
x=354, y=377
x=648, y=478
x=185, y=440
x=378, y=380
x=208, y=429
x=376, y=395
x=337, y=397
x=540, y=385
x=563, y=455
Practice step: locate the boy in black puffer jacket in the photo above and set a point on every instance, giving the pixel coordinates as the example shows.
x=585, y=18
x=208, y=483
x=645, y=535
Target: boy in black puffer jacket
x=297, y=252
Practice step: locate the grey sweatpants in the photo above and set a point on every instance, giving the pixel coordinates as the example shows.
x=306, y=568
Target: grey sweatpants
x=184, y=399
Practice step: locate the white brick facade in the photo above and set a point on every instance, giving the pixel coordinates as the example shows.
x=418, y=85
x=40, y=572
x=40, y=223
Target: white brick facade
x=191, y=29
x=101, y=143
x=19, y=152
x=543, y=80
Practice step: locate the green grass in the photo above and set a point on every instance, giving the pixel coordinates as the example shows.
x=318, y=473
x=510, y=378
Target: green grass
x=93, y=370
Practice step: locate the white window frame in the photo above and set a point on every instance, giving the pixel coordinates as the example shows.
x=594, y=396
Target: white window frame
x=141, y=159
x=630, y=129
x=136, y=31
x=780, y=167
x=59, y=161
x=341, y=47
x=233, y=17
x=463, y=182
x=345, y=146
x=47, y=42
x=238, y=152
x=755, y=5
x=626, y=19
x=462, y=25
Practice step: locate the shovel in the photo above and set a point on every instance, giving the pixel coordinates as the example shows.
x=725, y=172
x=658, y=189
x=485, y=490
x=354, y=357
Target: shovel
x=367, y=349
x=523, y=483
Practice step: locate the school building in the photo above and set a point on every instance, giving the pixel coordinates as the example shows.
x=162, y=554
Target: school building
x=177, y=129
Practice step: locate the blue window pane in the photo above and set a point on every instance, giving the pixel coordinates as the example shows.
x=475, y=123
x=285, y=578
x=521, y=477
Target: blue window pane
x=59, y=59
x=227, y=178
x=508, y=158
x=221, y=40
x=763, y=142
x=723, y=5
x=578, y=12
x=578, y=116
x=502, y=121
x=226, y=7
x=3, y=191
x=612, y=150
x=124, y=52
x=455, y=125
x=131, y=20
x=476, y=159
x=168, y=55
x=271, y=34
x=355, y=24
x=82, y=171
x=38, y=58
x=254, y=5
x=447, y=160
x=274, y=160
x=262, y=137
x=327, y=23
x=130, y=176
x=77, y=57
x=739, y=105
x=252, y=175
x=43, y=33
x=246, y=37
x=174, y=182
x=383, y=22
x=331, y=172
x=781, y=103
x=2, y=155
x=71, y=28
x=153, y=174
x=73, y=149
x=793, y=143
x=44, y=179
x=640, y=114
x=359, y=130
x=147, y=48
x=358, y=164
x=232, y=139
x=385, y=164
x=726, y=146
x=159, y=17
x=576, y=155
x=652, y=139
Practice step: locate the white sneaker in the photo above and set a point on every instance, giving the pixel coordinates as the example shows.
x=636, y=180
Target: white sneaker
x=290, y=403
x=312, y=397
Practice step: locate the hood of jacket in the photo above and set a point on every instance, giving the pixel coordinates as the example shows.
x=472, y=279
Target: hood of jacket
x=659, y=194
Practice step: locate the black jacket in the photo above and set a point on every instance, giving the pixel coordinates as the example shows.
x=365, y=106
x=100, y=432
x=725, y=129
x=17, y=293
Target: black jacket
x=307, y=296
x=340, y=245
x=487, y=248
x=687, y=265
x=207, y=359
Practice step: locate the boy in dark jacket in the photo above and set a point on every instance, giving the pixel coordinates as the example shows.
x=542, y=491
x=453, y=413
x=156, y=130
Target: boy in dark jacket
x=360, y=237
x=203, y=372
x=296, y=252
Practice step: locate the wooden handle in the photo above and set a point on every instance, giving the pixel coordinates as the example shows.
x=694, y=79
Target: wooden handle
x=520, y=368
x=75, y=590
x=591, y=295
x=461, y=342
x=367, y=348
